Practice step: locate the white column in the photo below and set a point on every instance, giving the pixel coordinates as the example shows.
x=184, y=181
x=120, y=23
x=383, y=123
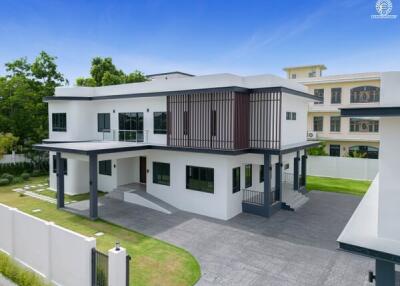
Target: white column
x=117, y=267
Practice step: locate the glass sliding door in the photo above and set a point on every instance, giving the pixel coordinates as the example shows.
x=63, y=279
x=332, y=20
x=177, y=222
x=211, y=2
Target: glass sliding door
x=130, y=126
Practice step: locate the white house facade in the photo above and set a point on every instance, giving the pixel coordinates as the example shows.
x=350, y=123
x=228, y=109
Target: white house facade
x=195, y=143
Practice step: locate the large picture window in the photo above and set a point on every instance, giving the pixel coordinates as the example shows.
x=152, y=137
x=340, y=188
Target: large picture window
x=336, y=95
x=335, y=124
x=160, y=123
x=320, y=93
x=236, y=179
x=103, y=122
x=64, y=162
x=161, y=173
x=200, y=179
x=131, y=126
x=59, y=122
x=364, y=94
x=105, y=167
x=318, y=123
x=364, y=125
x=248, y=173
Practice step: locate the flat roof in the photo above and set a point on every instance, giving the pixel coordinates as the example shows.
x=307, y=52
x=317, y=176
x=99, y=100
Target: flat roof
x=167, y=73
x=340, y=78
x=323, y=67
x=380, y=111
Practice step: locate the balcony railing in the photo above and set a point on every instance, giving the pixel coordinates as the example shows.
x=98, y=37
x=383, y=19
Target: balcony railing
x=253, y=197
x=125, y=135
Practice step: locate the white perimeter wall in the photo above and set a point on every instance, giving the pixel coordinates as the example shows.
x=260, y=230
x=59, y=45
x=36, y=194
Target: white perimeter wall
x=60, y=255
x=13, y=158
x=342, y=167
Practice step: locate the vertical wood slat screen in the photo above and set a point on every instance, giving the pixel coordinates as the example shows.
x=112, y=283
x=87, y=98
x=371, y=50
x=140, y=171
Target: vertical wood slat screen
x=265, y=119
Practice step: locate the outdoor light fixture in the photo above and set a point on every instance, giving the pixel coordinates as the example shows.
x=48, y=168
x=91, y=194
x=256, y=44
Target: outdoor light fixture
x=117, y=246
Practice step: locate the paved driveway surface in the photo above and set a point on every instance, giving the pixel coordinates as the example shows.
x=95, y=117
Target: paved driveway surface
x=291, y=248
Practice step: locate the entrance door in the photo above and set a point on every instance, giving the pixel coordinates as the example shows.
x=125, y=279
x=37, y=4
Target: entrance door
x=143, y=170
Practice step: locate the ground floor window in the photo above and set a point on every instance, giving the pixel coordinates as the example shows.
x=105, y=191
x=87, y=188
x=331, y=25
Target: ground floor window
x=248, y=173
x=261, y=173
x=64, y=161
x=364, y=152
x=105, y=168
x=334, y=150
x=200, y=179
x=161, y=173
x=236, y=180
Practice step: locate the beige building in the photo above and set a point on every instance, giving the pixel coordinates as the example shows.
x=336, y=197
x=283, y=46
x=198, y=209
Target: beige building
x=343, y=136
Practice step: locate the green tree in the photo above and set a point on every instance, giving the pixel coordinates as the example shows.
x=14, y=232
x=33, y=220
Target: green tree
x=8, y=142
x=104, y=72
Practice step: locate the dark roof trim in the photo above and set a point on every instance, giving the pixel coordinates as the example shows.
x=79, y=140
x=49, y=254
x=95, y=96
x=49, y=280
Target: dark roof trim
x=370, y=111
x=168, y=73
x=166, y=93
x=370, y=253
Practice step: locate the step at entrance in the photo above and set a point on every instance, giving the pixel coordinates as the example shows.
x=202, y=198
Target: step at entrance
x=293, y=200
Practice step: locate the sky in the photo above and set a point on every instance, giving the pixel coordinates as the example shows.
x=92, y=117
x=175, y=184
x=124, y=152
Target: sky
x=202, y=37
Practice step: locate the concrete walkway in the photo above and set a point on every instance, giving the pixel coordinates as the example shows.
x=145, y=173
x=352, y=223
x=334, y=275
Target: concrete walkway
x=291, y=248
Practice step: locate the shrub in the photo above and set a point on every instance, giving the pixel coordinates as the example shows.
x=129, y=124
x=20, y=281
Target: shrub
x=25, y=176
x=4, y=182
x=36, y=173
x=17, y=180
x=21, y=167
x=7, y=176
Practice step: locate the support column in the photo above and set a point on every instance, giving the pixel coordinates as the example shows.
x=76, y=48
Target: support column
x=385, y=273
x=296, y=171
x=267, y=184
x=93, y=185
x=278, y=179
x=303, y=170
x=60, y=180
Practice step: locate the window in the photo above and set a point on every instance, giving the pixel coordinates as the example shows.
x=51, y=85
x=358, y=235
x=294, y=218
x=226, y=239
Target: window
x=248, y=173
x=200, y=179
x=335, y=123
x=312, y=74
x=290, y=115
x=261, y=173
x=334, y=150
x=131, y=126
x=160, y=123
x=161, y=173
x=105, y=167
x=318, y=123
x=55, y=165
x=364, y=152
x=320, y=93
x=236, y=179
x=336, y=95
x=364, y=125
x=103, y=122
x=59, y=122
x=364, y=94
x=294, y=76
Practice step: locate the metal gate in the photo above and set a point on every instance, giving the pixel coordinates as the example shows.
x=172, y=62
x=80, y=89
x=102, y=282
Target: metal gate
x=99, y=268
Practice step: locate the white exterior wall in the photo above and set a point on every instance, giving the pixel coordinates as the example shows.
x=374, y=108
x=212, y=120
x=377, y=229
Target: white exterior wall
x=294, y=131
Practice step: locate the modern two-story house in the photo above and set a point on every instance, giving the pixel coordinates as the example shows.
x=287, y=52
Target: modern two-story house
x=215, y=145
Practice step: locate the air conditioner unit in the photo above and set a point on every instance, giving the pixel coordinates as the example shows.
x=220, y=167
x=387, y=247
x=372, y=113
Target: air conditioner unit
x=311, y=135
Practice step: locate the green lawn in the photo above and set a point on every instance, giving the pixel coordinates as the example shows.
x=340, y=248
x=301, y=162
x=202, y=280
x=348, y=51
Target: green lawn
x=345, y=186
x=67, y=198
x=154, y=262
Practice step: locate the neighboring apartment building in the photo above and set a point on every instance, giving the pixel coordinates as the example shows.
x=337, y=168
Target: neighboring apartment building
x=343, y=136
x=196, y=143
x=374, y=228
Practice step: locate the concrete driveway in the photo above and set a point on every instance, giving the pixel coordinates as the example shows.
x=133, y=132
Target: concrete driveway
x=291, y=248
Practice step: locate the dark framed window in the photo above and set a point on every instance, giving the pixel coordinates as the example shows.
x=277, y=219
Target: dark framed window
x=335, y=123
x=336, y=95
x=248, y=175
x=64, y=161
x=261, y=173
x=334, y=150
x=130, y=126
x=364, y=94
x=236, y=179
x=318, y=123
x=105, y=167
x=294, y=76
x=59, y=122
x=364, y=125
x=365, y=152
x=161, y=173
x=290, y=115
x=160, y=122
x=103, y=122
x=320, y=93
x=200, y=179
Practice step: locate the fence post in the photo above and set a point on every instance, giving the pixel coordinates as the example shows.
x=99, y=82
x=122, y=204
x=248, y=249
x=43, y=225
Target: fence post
x=117, y=267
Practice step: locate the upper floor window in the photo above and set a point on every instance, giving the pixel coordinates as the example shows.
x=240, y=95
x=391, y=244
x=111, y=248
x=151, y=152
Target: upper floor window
x=335, y=123
x=103, y=122
x=336, y=95
x=59, y=122
x=364, y=94
x=131, y=126
x=294, y=76
x=312, y=74
x=290, y=115
x=160, y=123
x=320, y=93
x=364, y=125
x=236, y=179
x=161, y=173
x=64, y=162
x=200, y=179
x=318, y=123
x=105, y=167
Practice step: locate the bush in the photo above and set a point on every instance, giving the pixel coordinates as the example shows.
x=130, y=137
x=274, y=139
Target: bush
x=36, y=173
x=4, y=182
x=21, y=167
x=17, y=180
x=25, y=176
x=7, y=176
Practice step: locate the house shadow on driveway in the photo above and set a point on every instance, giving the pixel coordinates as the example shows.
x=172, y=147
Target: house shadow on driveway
x=290, y=248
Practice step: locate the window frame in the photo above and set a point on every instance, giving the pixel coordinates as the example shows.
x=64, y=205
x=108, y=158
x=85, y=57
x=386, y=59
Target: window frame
x=332, y=124
x=248, y=175
x=236, y=180
x=199, y=170
x=59, y=122
x=261, y=174
x=156, y=175
x=334, y=147
x=65, y=162
x=337, y=96
x=322, y=94
x=315, y=123
x=162, y=121
x=105, y=167
x=103, y=119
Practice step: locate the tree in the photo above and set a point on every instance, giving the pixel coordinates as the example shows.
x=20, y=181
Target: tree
x=104, y=72
x=318, y=150
x=7, y=143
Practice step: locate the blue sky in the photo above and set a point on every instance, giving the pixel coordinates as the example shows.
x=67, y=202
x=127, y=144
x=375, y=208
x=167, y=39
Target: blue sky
x=200, y=37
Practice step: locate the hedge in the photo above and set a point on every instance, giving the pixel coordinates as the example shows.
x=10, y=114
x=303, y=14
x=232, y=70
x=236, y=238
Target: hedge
x=17, y=169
